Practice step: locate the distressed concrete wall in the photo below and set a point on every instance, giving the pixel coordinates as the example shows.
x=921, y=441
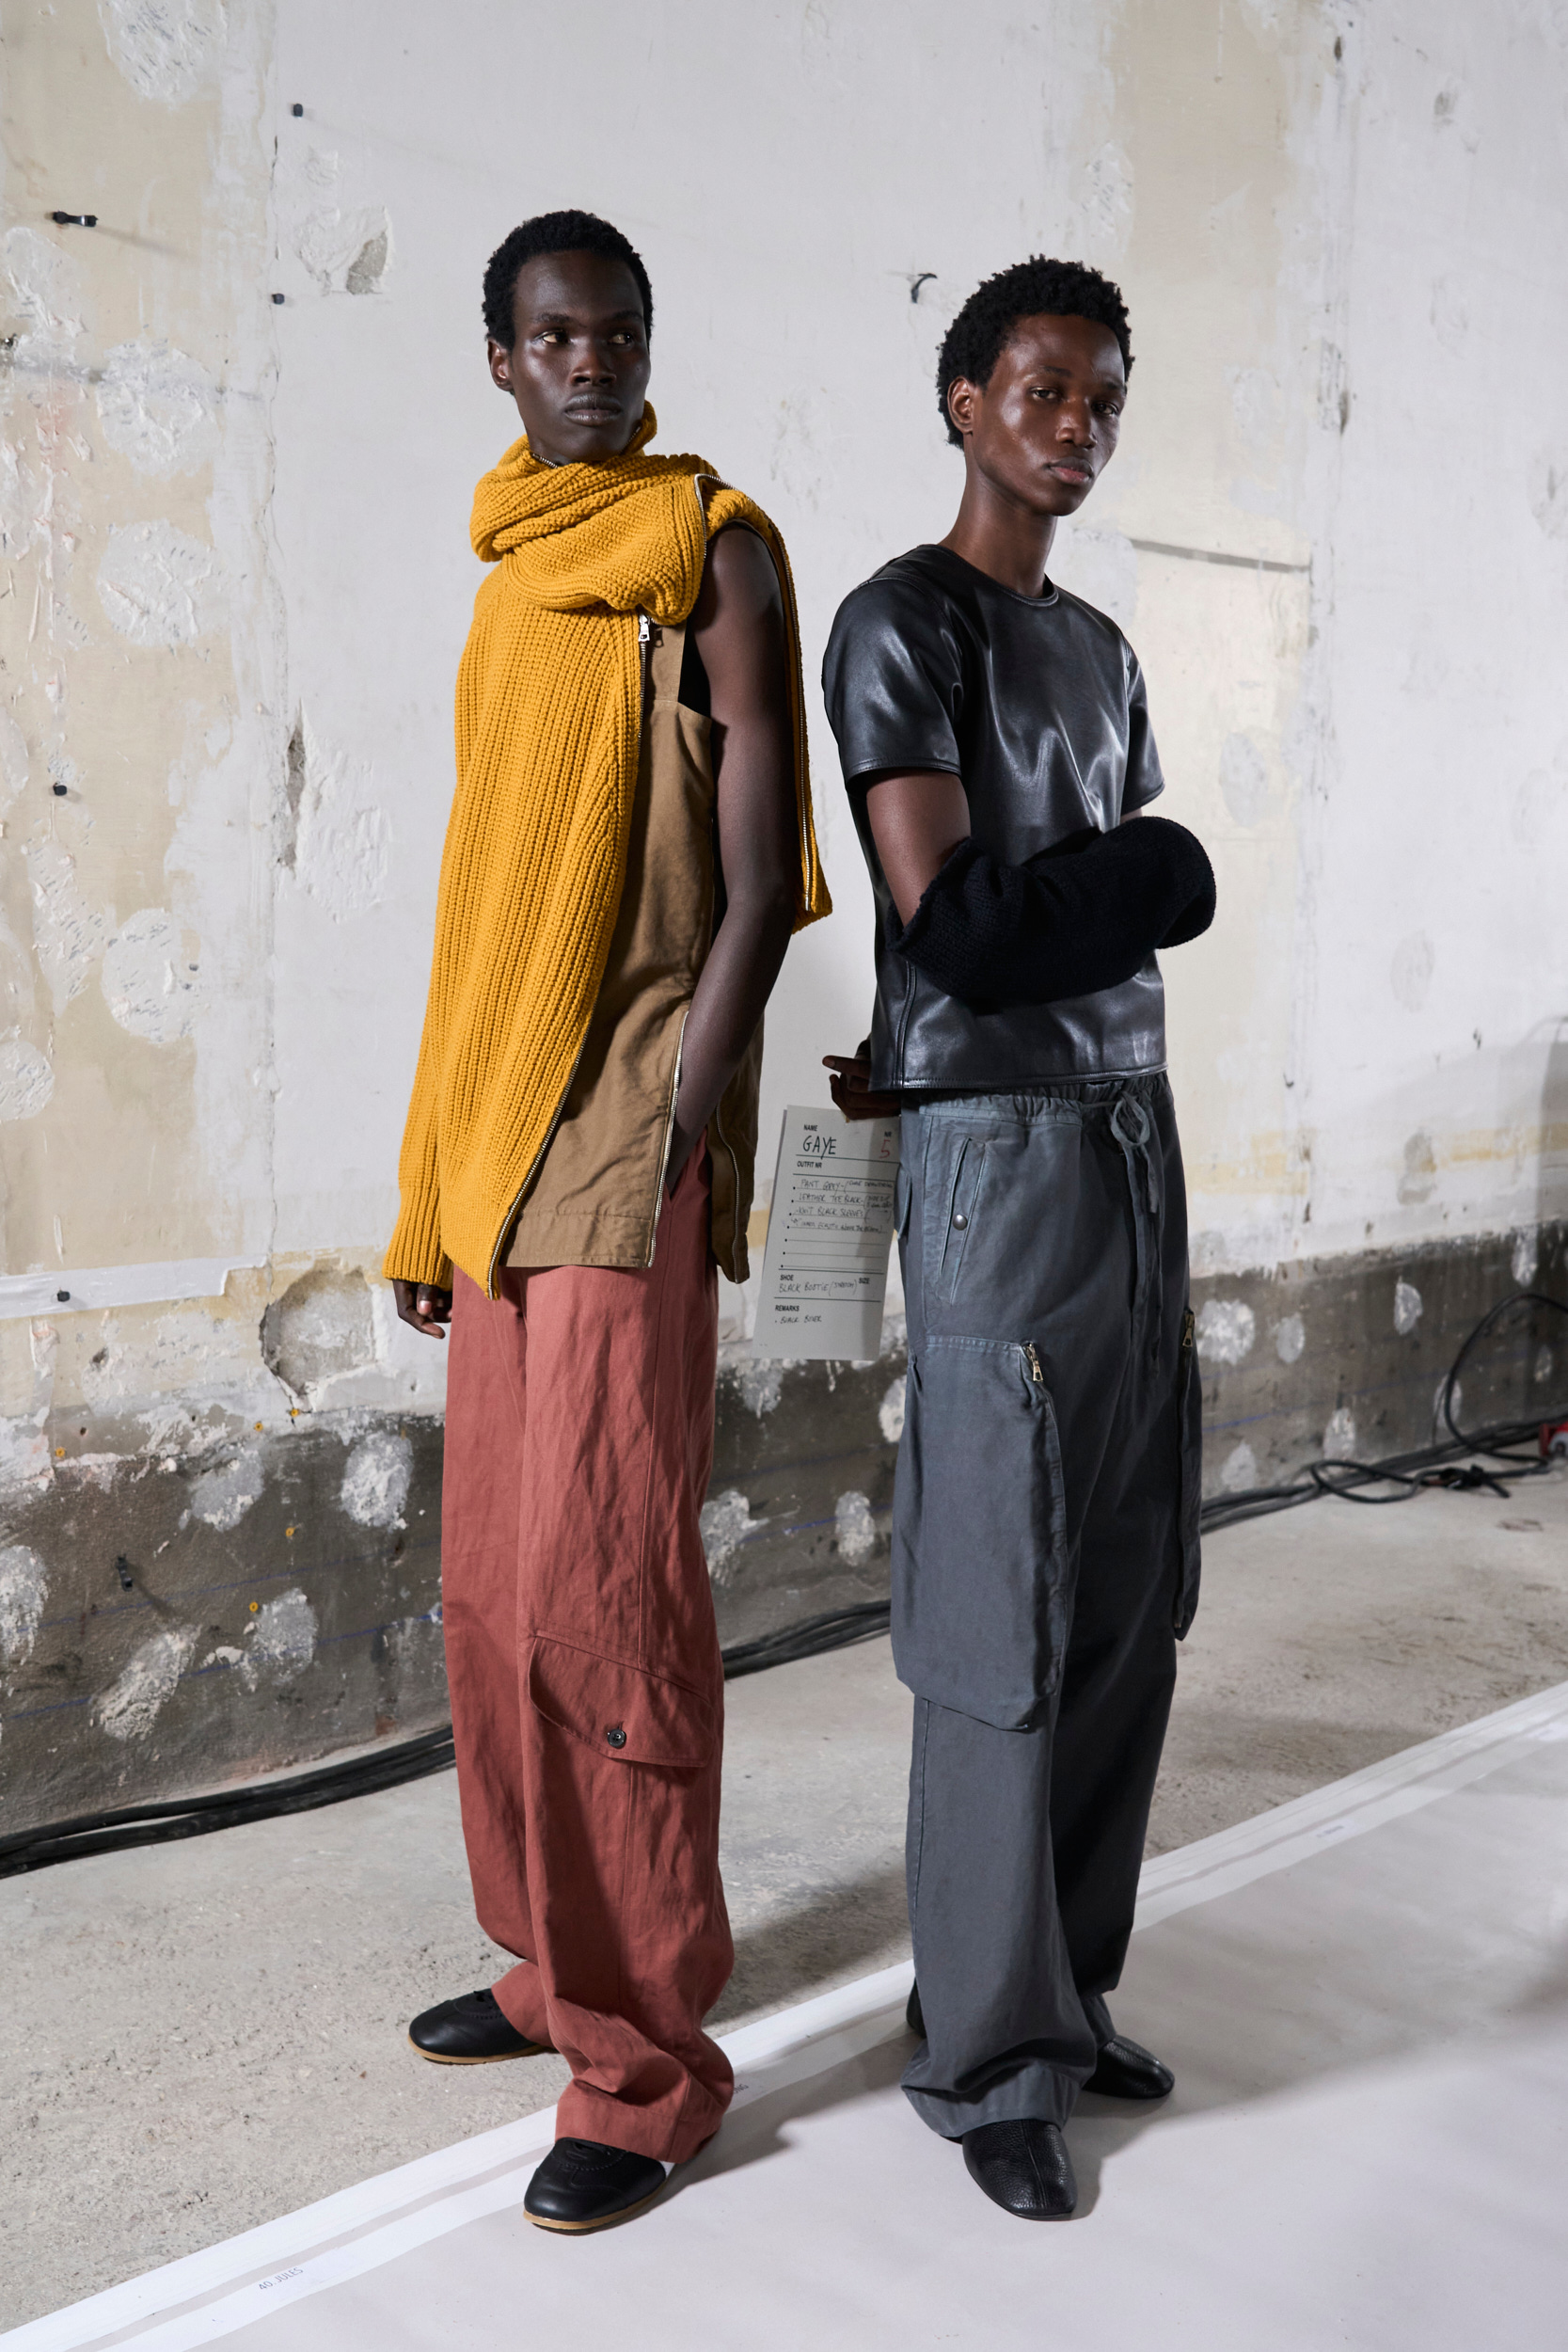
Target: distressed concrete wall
x=237, y=579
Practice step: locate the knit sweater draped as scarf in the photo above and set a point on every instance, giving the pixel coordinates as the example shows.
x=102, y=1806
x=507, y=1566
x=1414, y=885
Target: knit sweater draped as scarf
x=549, y=716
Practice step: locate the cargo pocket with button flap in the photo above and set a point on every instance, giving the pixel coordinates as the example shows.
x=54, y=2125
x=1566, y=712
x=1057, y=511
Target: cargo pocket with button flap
x=623, y=1712
x=979, y=1539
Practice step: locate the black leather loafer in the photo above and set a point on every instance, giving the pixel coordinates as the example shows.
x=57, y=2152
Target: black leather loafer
x=1024, y=2168
x=1125, y=2070
x=472, y=2030
x=584, y=2185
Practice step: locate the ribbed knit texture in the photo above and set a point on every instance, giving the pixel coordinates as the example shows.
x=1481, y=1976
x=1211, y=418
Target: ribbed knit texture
x=548, y=709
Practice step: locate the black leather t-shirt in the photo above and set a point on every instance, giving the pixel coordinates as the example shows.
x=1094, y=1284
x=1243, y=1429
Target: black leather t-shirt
x=1037, y=704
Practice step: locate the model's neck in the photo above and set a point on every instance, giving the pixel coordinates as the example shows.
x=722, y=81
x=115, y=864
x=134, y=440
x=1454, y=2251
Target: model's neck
x=1002, y=539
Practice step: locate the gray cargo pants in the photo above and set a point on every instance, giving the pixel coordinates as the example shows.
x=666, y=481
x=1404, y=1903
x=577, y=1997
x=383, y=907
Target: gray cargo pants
x=1045, y=1561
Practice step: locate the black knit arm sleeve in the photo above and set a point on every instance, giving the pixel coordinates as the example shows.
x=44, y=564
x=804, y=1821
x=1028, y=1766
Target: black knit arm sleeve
x=1082, y=916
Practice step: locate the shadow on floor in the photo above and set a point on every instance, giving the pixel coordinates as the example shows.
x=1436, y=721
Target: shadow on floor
x=844, y=1929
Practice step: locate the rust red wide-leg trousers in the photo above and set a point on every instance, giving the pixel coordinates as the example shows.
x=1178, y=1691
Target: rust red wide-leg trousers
x=587, y=1688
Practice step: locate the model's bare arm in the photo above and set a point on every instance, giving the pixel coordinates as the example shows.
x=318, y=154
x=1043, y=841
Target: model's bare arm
x=739, y=626
x=918, y=818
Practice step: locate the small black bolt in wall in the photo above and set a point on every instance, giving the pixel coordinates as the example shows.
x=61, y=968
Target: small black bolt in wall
x=75, y=220
x=277, y=297
x=122, y=1570
x=58, y=790
x=296, y=108
x=915, y=283
x=62, y=1296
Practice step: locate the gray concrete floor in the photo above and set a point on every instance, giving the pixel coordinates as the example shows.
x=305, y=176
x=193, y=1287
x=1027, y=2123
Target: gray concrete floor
x=202, y=2036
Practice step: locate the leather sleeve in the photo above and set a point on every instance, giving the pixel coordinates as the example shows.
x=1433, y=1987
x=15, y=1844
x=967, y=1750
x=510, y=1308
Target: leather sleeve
x=892, y=680
x=1082, y=916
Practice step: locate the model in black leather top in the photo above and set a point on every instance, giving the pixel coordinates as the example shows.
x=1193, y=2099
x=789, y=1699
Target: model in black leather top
x=1039, y=703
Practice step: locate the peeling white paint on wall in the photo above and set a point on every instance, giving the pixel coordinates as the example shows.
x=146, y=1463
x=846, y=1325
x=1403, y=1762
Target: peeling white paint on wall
x=1289, y=1337
x=1238, y=1469
x=221, y=1498
x=13, y=759
x=26, y=1079
x=1527, y=1257
x=68, y=933
x=343, y=837
x=375, y=1479
x=1226, y=1330
x=855, y=1527
x=150, y=978
x=345, y=252
x=130, y=1706
x=165, y=48
x=159, y=587
x=158, y=407
x=725, y=1522
x=1407, y=1308
x=890, y=1412
x=23, y=1582
x=1339, y=1435
x=46, y=287
x=283, y=1639
x=760, y=1380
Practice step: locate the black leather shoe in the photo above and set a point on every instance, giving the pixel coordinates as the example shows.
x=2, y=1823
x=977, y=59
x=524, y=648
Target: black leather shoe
x=583, y=2186
x=1024, y=2168
x=913, y=2016
x=472, y=2030
x=1125, y=2070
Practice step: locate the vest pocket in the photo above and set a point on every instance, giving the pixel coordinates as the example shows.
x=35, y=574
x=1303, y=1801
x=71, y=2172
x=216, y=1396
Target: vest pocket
x=979, y=1535
x=1189, y=1405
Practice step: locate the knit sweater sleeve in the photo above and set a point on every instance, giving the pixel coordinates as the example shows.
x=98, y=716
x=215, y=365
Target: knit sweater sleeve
x=414, y=1253
x=1079, y=918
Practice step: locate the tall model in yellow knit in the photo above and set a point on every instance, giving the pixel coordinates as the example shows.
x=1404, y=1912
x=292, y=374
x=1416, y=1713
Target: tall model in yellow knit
x=629, y=849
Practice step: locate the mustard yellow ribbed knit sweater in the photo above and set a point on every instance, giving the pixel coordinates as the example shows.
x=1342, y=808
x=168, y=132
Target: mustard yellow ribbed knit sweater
x=549, y=712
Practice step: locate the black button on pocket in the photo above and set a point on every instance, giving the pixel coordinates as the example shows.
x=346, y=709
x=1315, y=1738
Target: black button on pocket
x=616, y=1737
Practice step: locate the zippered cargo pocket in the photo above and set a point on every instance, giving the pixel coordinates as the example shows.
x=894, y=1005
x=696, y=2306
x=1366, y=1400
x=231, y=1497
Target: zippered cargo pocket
x=979, y=1533
x=1189, y=1407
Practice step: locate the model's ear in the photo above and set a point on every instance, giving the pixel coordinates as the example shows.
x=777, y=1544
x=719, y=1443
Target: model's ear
x=961, y=397
x=501, y=364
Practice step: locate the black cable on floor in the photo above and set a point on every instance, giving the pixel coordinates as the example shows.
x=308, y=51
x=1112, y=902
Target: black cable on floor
x=1408, y=1474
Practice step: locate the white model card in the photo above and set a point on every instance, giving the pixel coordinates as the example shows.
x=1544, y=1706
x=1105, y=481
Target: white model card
x=824, y=1272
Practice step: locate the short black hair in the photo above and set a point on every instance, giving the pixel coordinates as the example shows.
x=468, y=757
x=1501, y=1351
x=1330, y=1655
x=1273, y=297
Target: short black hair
x=975, y=341
x=554, y=232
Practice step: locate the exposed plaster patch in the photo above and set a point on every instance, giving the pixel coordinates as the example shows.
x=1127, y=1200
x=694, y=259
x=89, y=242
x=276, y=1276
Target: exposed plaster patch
x=1244, y=779
x=23, y=1581
x=1410, y=972
x=221, y=1498
x=159, y=409
x=1419, y=1181
x=339, y=841
x=761, y=1383
x=725, y=1522
x=45, y=287
x=159, y=587
x=856, y=1527
x=1238, y=1469
x=345, y=252
x=1226, y=1330
x=130, y=1706
x=68, y=933
x=1407, y=1308
x=319, y=1328
x=1289, y=1337
x=150, y=979
x=1526, y=1256
x=375, y=1479
x=1340, y=1436
x=13, y=758
x=283, y=1639
x=26, y=1079
x=890, y=1412
x=165, y=48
